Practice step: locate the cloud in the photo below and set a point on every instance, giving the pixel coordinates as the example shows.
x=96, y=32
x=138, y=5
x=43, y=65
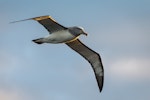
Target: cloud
x=9, y=95
x=14, y=94
x=131, y=68
x=123, y=32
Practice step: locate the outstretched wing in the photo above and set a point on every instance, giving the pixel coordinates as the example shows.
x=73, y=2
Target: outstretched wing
x=92, y=57
x=50, y=24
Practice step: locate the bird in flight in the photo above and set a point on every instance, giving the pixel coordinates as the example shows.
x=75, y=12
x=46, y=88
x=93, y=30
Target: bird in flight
x=69, y=36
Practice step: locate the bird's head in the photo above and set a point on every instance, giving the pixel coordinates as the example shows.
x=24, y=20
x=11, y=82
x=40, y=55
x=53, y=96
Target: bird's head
x=77, y=31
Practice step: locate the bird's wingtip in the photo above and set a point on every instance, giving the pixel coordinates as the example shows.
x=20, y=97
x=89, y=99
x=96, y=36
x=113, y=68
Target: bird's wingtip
x=19, y=21
x=34, y=18
x=100, y=90
x=100, y=81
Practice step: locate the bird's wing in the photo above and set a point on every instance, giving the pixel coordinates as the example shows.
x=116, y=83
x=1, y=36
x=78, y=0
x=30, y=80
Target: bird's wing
x=50, y=24
x=92, y=57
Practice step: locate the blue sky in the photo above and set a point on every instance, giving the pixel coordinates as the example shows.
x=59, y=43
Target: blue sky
x=118, y=30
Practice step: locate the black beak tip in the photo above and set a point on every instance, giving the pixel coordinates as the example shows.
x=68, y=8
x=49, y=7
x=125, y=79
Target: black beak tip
x=85, y=34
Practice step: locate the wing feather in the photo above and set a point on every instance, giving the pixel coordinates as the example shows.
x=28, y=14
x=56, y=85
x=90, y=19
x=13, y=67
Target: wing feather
x=92, y=57
x=50, y=24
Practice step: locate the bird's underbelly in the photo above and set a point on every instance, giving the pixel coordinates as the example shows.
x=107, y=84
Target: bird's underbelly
x=59, y=37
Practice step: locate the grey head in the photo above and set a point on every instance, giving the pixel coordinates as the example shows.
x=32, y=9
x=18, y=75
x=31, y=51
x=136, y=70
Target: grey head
x=76, y=31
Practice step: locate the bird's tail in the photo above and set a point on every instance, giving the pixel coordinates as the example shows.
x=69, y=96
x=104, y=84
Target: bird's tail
x=38, y=41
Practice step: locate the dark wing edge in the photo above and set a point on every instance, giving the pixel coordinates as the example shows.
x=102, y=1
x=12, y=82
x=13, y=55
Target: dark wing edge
x=48, y=22
x=92, y=57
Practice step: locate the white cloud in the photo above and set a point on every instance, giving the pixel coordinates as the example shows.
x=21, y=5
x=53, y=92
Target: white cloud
x=9, y=95
x=14, y=94
x=131, y=68
x=129, y=32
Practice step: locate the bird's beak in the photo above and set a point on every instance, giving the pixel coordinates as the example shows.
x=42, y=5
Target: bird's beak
x=84, y=33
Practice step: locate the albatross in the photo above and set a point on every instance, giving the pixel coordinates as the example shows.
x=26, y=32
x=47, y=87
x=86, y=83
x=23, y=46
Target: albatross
x=70, y=36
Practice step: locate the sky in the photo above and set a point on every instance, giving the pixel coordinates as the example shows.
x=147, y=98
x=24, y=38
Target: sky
x=119, y=30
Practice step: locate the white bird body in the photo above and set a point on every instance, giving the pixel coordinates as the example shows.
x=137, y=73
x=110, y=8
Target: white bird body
x=62, y=36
